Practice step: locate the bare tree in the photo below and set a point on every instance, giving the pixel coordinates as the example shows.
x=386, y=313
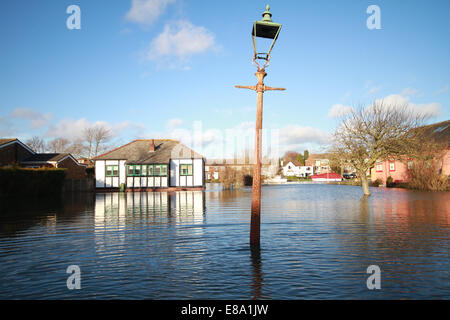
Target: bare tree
x=377, y=132
x=88, y=137
x=94, y=138
x=290, y=156
x=101, y=136
x=76, y=148
x=37, y=144
x=59, y=145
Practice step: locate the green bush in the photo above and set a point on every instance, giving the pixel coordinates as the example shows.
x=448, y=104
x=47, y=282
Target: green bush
x=377, y=183
x=33, y=182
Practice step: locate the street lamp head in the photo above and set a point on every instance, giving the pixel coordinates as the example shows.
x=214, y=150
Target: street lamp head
x=267, y=29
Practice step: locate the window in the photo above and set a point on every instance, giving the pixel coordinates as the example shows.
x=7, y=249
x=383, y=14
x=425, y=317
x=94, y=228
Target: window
x=391, y=165
x=134, y=170
x=130, y=171
x=144, y=170
x=112, y=171
x=379, y=166
x=157, y=170
x=410, y=164
x=186, y=170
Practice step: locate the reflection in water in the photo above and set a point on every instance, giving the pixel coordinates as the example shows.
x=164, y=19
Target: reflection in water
x=122, y=208
x=257, y=275
x=316, y=242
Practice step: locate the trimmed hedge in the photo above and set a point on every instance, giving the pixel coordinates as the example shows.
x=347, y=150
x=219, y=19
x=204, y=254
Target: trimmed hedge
x=34, y=182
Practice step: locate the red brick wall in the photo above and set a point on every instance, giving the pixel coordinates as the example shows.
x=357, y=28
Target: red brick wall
x=13, y=153
x=399, y=174
x=74, y=171
x=401, y=170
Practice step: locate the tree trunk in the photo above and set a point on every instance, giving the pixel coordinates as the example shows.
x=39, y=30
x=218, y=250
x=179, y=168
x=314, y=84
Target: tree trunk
x=365, y=183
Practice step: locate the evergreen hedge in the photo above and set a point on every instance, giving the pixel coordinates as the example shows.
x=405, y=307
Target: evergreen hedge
x=32, y=182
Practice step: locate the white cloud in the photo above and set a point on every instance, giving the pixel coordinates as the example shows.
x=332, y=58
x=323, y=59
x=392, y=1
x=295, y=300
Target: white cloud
x=173, y=123
x=339, y=110
x=73, y=129
x=409, y=92
x=372, y=89
x=180, y=39
x=432, y=109
x=146, y=12
x=38, y=120
x=443, y=90
x=295, y=135
x=6, y=129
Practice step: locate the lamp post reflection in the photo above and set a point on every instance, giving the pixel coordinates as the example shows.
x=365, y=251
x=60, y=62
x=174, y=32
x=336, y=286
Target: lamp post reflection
x=257, y=279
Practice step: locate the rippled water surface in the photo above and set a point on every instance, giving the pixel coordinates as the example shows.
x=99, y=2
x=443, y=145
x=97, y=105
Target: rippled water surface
x=317, y=242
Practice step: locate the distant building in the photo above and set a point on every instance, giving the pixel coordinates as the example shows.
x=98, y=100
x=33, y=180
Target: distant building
x=296, y=169
x=320, y=163
x=214, y=167
x=86, y=161
x=398, y=169
x=150, y=165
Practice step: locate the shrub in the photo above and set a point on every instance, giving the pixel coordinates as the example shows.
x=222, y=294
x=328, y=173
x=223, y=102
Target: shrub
x=231, y=178
x=33, y=182
x=425, y=175
x=377, y=183
x=389, y=182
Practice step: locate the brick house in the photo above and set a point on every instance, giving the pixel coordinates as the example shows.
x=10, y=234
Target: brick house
x=75, y=170
x=320, y=163
x=13, y=151
x=398, y=169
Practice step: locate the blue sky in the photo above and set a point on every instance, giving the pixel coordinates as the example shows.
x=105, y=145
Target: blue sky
x=154, y=68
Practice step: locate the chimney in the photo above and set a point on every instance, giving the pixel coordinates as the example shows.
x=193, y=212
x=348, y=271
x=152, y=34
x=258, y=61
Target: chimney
x=152, y=145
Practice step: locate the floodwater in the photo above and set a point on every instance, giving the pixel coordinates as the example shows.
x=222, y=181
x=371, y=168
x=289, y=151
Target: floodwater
x=317, y=242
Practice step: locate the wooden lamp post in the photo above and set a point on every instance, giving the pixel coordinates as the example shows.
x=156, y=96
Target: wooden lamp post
x=269, y=30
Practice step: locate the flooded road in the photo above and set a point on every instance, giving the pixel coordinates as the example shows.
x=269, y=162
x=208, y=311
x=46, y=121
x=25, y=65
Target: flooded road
x=317, y=242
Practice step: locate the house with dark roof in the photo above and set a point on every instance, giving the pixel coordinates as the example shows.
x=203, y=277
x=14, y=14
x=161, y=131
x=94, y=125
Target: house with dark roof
x=150, y=165
x=74, y=169
x=13, y=151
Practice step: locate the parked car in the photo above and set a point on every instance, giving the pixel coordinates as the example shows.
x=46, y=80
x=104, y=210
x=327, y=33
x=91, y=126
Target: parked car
x=349, y=175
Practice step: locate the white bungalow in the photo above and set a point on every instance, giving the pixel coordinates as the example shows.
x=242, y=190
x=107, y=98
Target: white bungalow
x=150, y=165
x=294, y=168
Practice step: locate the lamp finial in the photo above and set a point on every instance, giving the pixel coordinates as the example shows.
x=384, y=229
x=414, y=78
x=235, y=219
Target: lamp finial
x=267, y=16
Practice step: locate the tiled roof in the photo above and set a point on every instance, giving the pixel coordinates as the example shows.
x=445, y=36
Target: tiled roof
x=138, y=152
x=5, y=141
x=440, y=132
x=296, y=163
x=46, y=157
